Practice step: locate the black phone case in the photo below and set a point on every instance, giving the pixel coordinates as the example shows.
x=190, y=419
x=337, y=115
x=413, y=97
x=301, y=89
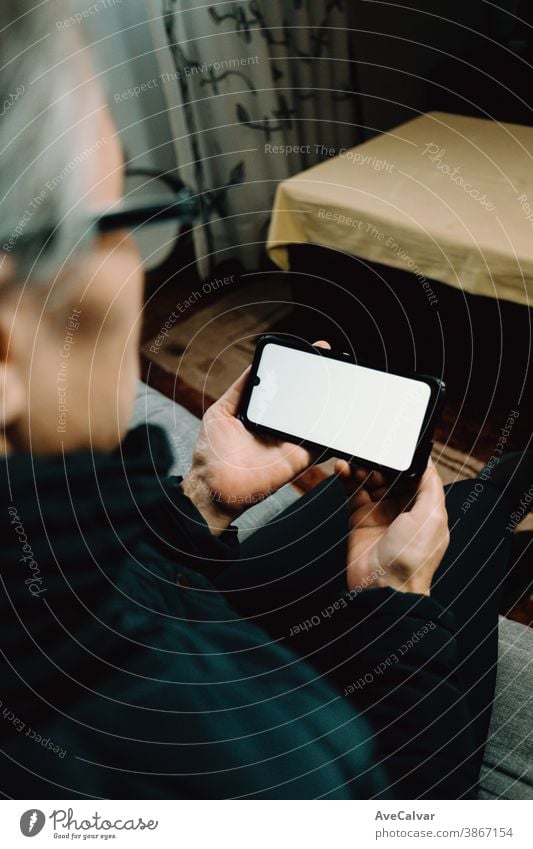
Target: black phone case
x=425, y=442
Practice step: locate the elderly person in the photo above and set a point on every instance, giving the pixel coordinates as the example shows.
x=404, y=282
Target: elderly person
x=340, y=654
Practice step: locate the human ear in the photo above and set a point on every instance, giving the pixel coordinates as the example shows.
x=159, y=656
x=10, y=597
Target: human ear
x=12, y=401
x=13, y=390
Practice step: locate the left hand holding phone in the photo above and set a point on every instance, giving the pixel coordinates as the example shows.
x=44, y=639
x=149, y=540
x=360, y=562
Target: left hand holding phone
x=233, y=469
x=395, y=540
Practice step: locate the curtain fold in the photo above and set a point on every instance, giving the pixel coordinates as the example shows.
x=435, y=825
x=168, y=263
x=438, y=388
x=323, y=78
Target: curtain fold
x=257, y=90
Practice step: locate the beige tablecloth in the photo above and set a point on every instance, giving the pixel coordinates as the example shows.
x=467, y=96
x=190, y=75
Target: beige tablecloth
x=446, y=197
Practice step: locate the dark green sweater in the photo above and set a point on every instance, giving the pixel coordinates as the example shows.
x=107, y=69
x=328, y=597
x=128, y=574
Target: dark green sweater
x=125, y=674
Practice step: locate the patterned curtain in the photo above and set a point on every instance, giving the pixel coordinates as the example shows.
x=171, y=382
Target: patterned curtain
x=257, y=90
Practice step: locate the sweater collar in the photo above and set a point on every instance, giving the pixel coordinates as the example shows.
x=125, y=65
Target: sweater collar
x=81, y=504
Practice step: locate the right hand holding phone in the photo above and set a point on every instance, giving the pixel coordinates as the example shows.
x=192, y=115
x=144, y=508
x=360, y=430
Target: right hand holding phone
x=396, y=540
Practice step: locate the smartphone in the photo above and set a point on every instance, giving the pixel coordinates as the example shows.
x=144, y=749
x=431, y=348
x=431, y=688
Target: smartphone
x=332, y=404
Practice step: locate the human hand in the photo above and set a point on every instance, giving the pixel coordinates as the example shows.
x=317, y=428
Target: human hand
x=395, y=541
x=233, y=468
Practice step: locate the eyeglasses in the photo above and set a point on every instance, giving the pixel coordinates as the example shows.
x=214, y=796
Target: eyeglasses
x=183, y=207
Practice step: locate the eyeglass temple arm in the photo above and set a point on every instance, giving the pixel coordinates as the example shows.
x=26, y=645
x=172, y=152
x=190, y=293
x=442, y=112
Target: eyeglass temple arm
x=184, y=207
x=174, y=182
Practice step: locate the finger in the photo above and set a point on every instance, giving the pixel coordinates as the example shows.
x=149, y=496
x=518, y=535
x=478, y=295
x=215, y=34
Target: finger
x=402, y=500
x=359, y=498
x=376, y=481
x=322, y=344
x=343, y=469
x=372, y=480
x=361, y=474
x=429, y=496
x=350, y=475
x=372, y=514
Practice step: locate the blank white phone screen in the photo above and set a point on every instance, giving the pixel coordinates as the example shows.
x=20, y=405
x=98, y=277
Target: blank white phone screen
x=348, y=408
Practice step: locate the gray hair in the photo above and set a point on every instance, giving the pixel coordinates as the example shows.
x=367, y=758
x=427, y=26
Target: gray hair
x=44, y=97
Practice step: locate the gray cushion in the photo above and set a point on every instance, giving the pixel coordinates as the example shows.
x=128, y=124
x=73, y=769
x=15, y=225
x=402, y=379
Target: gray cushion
x=506, y=771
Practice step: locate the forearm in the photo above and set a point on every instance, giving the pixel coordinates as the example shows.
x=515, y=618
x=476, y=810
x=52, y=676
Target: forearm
x=393, y=655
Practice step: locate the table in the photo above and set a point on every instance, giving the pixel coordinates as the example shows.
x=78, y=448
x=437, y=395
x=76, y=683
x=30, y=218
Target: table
x=446, y=197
